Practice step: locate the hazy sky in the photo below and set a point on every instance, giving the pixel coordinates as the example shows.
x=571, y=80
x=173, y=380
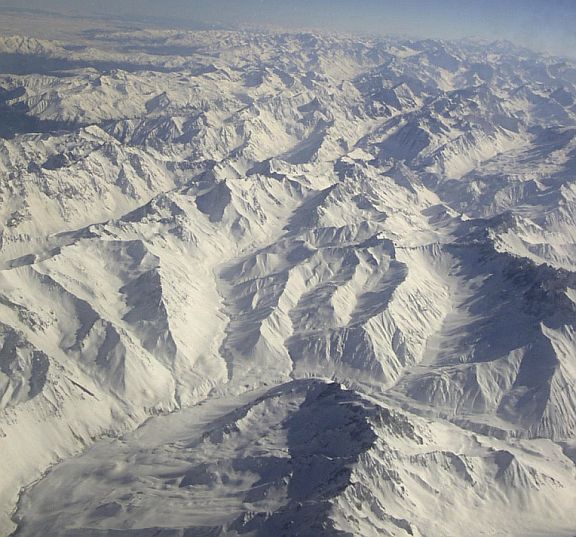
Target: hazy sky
x=540, y=24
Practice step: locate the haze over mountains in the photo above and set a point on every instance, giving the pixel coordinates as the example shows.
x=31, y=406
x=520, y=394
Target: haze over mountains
x=347, y=264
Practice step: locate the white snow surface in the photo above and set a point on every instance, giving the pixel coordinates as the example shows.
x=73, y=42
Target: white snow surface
x=273, y=284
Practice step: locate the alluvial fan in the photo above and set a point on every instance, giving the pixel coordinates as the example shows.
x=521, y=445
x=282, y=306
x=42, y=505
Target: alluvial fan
x=338, y=274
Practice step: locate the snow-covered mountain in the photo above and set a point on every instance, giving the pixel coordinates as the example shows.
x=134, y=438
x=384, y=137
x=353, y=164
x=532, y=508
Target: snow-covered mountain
x=348, y=264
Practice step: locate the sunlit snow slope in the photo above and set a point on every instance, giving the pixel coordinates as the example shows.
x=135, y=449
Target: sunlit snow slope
x=349, y=265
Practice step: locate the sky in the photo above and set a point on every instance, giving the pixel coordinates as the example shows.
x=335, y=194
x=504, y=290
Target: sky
x=548, y=25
